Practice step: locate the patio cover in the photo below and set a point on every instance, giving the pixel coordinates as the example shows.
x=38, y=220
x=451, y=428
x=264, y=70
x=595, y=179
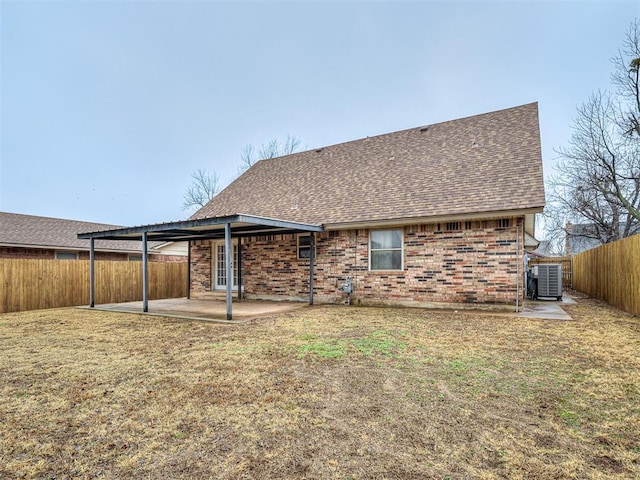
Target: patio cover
x=227, y=227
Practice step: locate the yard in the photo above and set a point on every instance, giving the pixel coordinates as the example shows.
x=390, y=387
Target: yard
x=323, y=392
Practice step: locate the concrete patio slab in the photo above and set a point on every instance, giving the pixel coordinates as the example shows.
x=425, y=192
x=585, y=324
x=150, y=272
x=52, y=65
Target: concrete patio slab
x=209, y=309
x=547, y=309
x=214, y=309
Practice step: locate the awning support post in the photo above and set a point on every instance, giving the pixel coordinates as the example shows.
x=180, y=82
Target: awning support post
x=239, y=268
x=145, y=274
x=229, y=273
x=312, y=255
x=188, y=269
x=92, y=273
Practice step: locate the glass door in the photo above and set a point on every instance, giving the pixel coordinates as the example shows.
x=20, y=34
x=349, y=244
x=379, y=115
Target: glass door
x=220, y=268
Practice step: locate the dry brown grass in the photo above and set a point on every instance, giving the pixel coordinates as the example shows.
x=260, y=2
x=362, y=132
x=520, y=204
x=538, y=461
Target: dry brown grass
x=325, y=392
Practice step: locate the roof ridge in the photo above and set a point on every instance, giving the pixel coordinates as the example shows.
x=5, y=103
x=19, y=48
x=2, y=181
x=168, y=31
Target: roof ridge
x=482, y=162
x=396, y=132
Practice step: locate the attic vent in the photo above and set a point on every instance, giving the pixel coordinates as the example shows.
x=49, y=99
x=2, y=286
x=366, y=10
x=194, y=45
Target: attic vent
x=474, y=144
x=450, y=226
x=424, y=129
x=318, y=150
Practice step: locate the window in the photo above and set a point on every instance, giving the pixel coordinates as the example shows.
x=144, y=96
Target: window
x=385, y=250
x=135, y=257
x=66, y=255
x=304, y=246
x=504, y=223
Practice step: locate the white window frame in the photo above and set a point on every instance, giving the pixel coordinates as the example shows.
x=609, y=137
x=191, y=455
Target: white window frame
x=401, y=249
x=64, y=253
x=218, y=266
x=306, y=247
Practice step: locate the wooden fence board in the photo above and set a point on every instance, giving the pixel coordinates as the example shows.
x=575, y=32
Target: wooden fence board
x=611, y=273
x=32, y=284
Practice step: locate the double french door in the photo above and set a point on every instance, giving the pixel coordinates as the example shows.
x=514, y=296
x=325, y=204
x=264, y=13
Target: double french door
x=219, y=266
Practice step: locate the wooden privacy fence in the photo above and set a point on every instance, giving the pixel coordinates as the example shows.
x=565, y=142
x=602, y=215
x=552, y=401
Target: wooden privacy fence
x=611, y=273
x=31, y=284
x=566, y=262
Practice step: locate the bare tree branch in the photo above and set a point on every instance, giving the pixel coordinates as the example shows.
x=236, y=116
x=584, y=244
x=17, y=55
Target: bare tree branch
x=599, y=172
x=202, y=189
x=271, y=149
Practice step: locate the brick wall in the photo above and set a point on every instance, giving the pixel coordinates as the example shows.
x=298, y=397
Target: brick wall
x=167, y=258
x=201, y=278
x=474, y=265
x=16, y=252
x=43, y=253
x=104, y=256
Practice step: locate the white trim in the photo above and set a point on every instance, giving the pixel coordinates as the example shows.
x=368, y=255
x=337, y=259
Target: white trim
x=401, y=230
x=214, y=266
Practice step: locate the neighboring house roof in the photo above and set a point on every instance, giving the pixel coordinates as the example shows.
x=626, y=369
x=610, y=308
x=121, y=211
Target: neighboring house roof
x=471, y=166
x=576, y=244
x=585, y=236
x=30, y=231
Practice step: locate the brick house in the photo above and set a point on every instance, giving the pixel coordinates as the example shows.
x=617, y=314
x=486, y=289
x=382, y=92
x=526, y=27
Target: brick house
x=438, y=215
x=431, y=216
x=29, y=236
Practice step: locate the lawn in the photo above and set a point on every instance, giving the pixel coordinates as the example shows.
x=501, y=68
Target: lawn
x=321, y=393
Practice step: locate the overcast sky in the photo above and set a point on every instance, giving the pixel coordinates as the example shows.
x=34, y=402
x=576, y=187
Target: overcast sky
x=108, y=107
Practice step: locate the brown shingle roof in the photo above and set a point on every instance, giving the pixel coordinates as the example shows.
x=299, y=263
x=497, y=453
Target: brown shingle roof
x=485, y=163
x=45, y=232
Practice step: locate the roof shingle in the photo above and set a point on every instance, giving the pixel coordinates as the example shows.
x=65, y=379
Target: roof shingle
x=485, y=163
x=46, y=232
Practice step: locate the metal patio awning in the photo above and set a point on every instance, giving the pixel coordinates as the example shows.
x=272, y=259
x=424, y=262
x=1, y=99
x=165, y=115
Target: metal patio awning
x=227, y=227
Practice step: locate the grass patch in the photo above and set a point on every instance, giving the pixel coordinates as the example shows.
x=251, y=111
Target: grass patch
x=325, y=392
x=322, y=350
x=377, y=342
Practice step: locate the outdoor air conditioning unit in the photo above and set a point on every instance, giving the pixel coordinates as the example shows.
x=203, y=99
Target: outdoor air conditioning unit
x=550, y=280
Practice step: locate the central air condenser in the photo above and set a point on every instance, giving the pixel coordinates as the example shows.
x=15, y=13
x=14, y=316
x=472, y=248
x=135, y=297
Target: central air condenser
x=550, y=280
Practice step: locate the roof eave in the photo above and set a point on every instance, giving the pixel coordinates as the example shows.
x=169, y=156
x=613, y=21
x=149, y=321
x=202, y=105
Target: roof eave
x=392, y=222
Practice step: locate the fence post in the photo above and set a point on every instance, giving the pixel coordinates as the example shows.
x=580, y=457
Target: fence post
x=92, y=274
x=145, y=274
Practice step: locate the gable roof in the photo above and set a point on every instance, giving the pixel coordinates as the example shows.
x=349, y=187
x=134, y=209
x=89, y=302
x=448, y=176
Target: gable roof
x=484, y=163
x=30, y=231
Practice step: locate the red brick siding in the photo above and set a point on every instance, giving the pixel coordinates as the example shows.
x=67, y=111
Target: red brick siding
x=473, y=266
x=104, y=256
x=167, y=258
x=43, y=253
x=201, y=279
x=17, y=252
